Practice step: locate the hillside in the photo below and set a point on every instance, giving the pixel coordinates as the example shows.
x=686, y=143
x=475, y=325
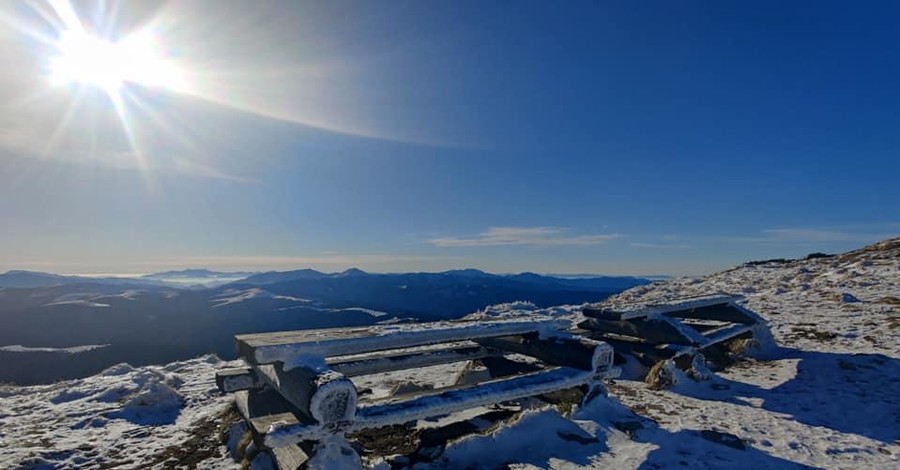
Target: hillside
x=824, y=398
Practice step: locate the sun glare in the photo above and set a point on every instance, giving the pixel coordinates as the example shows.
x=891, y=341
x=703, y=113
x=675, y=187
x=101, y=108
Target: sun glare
x=90, y=60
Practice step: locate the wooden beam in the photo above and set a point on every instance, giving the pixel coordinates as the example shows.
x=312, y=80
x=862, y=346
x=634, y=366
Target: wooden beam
x=575, y=352
x=726, y=333
x=263, y=408
x=266, y=348
x=643, y=311
x=651, y=330
x=239, y=378
x=722, y=312
x=380, y=363
x=324, y=395
x=289, y=457
x=445, y=402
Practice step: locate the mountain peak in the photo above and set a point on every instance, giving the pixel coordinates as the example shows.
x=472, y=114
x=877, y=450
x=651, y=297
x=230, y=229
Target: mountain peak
x=354, y=271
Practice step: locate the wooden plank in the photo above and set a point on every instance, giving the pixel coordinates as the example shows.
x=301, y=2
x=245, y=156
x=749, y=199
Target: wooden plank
x=380, y=363
x=264, y=408
x=239, y=378
x=721, y=312
x=572, y=352
x=323, y=395
x=267, y=348
x=651, y=330
x=445, y=402
x=603, y=313
x=726, y=333
x=648, y=354
x=289, y=457
x=625, y=313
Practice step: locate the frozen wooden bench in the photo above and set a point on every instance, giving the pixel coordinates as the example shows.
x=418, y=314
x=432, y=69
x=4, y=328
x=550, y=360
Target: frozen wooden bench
x=297, y=388
x=679, y=331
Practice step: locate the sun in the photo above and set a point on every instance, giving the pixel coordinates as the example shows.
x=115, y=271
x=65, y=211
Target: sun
x=87, y=59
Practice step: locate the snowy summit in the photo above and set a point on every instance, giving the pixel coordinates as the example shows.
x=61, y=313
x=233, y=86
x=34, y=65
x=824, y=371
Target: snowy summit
x=825, y=397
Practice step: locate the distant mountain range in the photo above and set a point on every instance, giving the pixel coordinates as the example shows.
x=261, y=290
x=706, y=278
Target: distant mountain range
x=176, y=315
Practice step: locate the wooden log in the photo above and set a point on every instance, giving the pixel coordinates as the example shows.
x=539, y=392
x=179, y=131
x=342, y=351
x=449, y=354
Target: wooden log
x=322, y=394
x=444, y=402
x=239, y=378
x=380, y=363
x=573, y=351
x=651, y=330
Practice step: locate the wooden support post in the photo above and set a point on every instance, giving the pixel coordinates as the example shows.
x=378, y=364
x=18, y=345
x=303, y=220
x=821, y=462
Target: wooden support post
x=324, y=395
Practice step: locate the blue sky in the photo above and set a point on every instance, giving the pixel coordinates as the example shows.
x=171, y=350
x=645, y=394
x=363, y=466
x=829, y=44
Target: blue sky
x=564, y=137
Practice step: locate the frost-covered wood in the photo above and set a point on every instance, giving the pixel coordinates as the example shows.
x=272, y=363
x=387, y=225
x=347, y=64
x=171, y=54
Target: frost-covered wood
x=266, y=348
x=677, y=331
x=654, y=330
x=263, y=408
x=443, y=402
x=317, y=402
x=663, y=309
x=322, y=394
x=235, y=379
x=379, y=363
x=568, y=351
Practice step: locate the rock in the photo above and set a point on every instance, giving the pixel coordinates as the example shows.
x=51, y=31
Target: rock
x=723, y=438
x=629, y=427
x=848, y=298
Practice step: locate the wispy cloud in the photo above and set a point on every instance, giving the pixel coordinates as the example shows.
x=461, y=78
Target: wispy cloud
x=660, y=245
x=330, y=260
x=538, y=236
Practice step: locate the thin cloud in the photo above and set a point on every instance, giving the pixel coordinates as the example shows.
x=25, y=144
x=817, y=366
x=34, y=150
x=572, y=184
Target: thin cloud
x=659, y=245
x=536, y=236
x=338, y=260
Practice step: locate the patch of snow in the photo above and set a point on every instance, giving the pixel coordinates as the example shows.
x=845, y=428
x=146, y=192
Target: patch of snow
x=124, y=417
x=17, y=348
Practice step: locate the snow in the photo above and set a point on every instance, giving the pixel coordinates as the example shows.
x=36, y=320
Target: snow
x=374, y=313
x=18, y=348
x=236, y=296
x=825, y=397
x=124, y=416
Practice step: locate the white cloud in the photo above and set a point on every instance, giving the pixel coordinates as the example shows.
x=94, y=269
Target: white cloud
x=538, y=236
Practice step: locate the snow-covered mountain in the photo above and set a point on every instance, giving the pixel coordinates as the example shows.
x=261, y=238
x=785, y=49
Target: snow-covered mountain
x=826, y=397
x=172, y=316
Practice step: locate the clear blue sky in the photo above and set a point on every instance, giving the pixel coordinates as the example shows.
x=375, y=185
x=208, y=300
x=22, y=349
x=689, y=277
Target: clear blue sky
x=567, y=137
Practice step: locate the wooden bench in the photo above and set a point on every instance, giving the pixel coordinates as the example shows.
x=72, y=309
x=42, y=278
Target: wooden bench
x=679, y=331
x=297, y=388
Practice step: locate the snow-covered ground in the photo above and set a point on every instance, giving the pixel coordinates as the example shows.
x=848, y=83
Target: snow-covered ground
x=124, y=417
x=827, y=397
